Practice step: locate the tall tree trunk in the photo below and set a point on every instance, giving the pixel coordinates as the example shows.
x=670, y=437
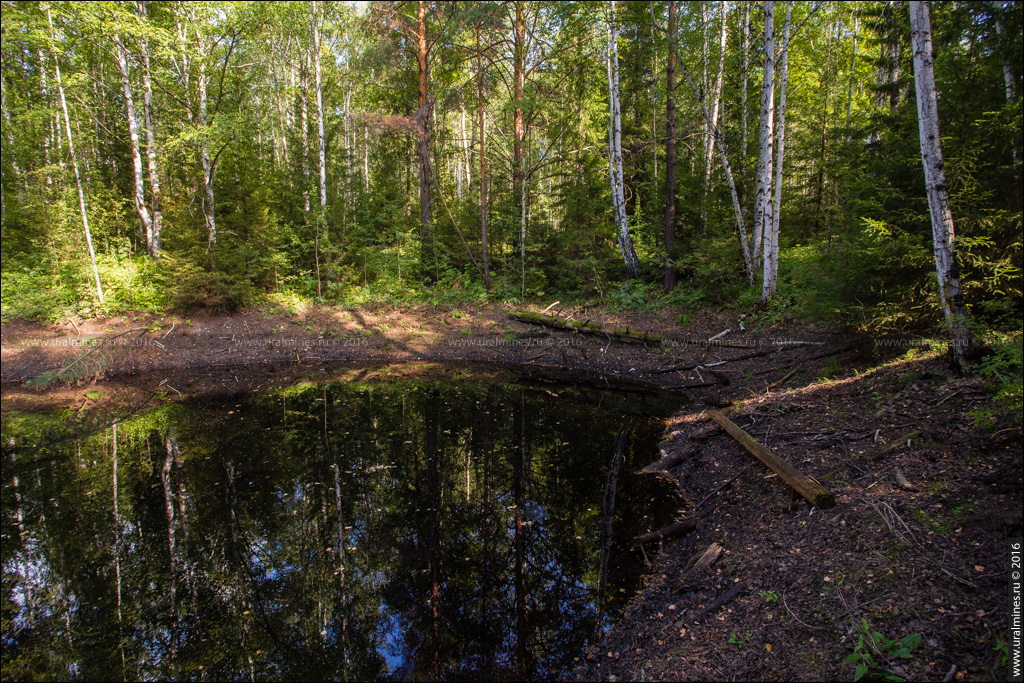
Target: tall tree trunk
x=1008, y=78
x=727, y=168
x=318, y=78
x=74, y=163
x=771, y=237
x=322, y=157
x=483, y=158
x=615, y=150
x=304, y=113
x=423, y=124
x=209, y=210
x=519, y=130
x=745, y=70
x=133, y=136
x=670, y=148
x=716, y=89
x=763, y=186
x=154, y=175
x=946, y=266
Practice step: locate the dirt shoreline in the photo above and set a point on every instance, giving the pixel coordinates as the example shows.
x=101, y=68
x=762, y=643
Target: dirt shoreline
x=928, y=559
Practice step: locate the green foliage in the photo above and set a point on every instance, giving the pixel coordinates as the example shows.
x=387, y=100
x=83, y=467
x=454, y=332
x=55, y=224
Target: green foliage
x=1003, y=370
x=769, y=596
x=873, y=653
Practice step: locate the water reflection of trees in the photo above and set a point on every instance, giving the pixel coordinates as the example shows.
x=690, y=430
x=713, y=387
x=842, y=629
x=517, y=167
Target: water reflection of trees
x=414, y=530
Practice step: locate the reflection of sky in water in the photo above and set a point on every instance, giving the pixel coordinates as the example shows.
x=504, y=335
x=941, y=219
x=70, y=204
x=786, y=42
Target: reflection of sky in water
x=512, y=535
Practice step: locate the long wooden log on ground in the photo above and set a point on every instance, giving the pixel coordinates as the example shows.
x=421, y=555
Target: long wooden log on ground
x=816, y=494
x=669, y=461
x=586, y=327
x=665, y=533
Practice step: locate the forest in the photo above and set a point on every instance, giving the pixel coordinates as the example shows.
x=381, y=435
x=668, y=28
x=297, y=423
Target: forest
x=511, y=340
x=169, y=155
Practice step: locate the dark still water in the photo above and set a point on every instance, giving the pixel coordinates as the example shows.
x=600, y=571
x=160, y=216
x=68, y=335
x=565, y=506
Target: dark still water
x=408, y=530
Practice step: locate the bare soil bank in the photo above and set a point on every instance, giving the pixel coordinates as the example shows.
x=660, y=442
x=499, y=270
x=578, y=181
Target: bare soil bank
x=926, y=556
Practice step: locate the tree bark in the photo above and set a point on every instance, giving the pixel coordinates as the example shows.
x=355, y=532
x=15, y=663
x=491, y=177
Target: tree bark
x=716, y=90
x=423, y=126
x=483, y=158
x=1008, y=78
x=519, y=129
x=74, y=163
x=615, y=151
x=947, y=267
x=771, y=238
x=209, y=211
x=133, y=136
x=670, y=148
x=318, y=79
x=154, y=175
x=763, y=186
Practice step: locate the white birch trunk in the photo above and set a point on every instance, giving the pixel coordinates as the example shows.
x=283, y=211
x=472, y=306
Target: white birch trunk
x=946, y=266
x=743, y=78
x=771, y=237
x=133, y=136
x=1008, y=79
x=74, y=164
x=720, y=142
x=209, y=213
x=615, y=160
x=716, y=91
x=763, y=186
x=154, y=175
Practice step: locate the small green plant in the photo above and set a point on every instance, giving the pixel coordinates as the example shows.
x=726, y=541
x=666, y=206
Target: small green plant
x=734, y=639
x=465, y=332
x=684, y=319
x=874, y=653
x=769, y=596
x=833, y=368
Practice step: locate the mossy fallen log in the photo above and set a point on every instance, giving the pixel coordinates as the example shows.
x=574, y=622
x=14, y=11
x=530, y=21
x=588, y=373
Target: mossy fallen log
x=586, y=327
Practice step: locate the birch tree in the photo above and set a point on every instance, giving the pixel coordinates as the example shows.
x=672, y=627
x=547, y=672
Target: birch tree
x=139, y=195
x=74, y=158
x=615, y=150
x=763, y=186
x=947, y=268
x=771, y=234
x=156, y=225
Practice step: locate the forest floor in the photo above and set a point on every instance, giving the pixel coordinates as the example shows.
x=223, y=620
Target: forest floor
x=793, y=583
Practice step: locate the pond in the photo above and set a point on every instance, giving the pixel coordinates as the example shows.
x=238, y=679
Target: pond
x=453, y=529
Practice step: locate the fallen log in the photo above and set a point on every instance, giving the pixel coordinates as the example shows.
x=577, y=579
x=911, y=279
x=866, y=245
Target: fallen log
x=669, y=461
x=586, y=327
x=665, y=533
x=718, y=602
x=816, y=494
